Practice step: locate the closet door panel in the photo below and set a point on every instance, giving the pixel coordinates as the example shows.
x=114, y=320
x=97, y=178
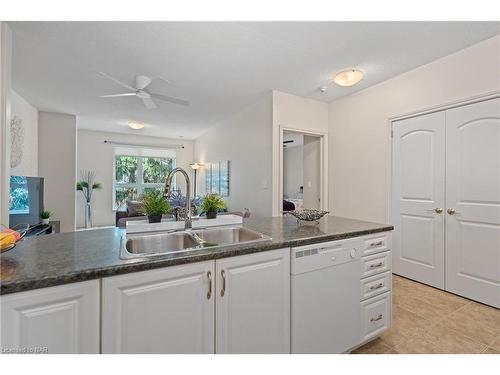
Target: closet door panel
x=417, y=197
x=473, y=201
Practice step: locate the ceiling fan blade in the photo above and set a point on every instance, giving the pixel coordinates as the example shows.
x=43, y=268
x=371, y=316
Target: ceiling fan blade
x=141, y=82
x=118, y=95
x=149, y=103
x=118, y=82
x=170, y=99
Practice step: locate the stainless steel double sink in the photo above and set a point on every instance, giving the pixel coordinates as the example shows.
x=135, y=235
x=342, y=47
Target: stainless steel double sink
x=156, y=244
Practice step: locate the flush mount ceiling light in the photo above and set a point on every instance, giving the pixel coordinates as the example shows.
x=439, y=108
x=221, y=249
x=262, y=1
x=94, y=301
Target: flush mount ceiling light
x=136, y=125
x=348, y=77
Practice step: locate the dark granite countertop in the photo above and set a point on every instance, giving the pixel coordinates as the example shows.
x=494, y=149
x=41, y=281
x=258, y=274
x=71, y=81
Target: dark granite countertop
x=77, y=256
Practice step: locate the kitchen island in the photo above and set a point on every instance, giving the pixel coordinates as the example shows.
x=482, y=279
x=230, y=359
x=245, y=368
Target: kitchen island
x=101, y=303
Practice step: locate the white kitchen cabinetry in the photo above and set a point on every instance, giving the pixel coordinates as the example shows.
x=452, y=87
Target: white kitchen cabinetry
x=253, y=303
x=62, y=319
x=167, y=310
x=376, y=286
x=172, y=310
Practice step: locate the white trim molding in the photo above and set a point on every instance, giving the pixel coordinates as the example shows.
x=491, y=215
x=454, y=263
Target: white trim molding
x=278, y=166
x=5, y=86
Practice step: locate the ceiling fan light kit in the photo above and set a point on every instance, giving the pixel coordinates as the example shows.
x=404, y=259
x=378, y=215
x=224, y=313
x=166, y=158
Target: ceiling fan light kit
x=139, y=91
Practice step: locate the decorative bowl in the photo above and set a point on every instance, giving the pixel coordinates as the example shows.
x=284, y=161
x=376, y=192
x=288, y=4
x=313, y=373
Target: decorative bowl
x=307, y=214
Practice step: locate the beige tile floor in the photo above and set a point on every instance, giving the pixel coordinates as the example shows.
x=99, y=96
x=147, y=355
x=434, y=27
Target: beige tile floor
x=430, y=321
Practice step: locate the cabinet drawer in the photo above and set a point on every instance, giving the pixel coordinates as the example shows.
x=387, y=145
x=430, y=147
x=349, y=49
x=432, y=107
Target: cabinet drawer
x=375, y=264
x=376, y=315
x=375, y=285
x=376, y=244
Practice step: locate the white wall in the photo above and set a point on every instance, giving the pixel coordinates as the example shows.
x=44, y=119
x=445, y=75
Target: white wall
x=293, y=170
x=95, y=155
x=57, y=164
x=302, y=114
x=359, y=134
x=29, y=116
x=312, y=172
x=245, y=139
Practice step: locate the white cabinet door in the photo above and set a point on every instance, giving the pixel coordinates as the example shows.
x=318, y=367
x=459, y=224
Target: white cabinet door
x=253, y=303
x=473, y=191
x=167, y=310
x=61, y=319
x=418, y=175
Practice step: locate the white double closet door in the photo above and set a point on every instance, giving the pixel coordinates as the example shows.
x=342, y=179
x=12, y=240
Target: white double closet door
x=446, y=200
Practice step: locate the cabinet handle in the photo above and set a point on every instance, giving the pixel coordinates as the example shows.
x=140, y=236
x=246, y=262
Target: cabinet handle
x=209, y=293
x=380, y=264
x=223, y=290
x=378, y=286
x=379, y=317
x=378, y=243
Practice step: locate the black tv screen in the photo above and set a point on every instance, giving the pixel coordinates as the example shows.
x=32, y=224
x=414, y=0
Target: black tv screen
x=25, y=200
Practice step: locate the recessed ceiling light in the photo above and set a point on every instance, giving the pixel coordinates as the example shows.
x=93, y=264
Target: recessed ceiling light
x=348, y=77
x=136, y=125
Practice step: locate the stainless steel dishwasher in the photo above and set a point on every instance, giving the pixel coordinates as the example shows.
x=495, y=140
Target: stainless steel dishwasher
x=325, y=295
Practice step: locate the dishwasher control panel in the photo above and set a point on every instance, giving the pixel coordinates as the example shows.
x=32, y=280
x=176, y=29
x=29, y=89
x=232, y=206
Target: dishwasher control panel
x=326, y=254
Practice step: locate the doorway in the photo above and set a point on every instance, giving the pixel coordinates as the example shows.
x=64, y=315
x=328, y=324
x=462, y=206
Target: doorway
x=301, y=168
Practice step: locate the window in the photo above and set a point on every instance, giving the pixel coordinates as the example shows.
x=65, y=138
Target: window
x=138, y=170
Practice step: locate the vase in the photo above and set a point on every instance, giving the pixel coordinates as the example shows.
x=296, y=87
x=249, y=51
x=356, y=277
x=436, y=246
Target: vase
x=154, y=218
x=45, y=221
x=211, y=214
x=88, y=215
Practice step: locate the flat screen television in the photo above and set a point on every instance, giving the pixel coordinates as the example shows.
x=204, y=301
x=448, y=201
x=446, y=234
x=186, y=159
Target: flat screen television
x=25, y=200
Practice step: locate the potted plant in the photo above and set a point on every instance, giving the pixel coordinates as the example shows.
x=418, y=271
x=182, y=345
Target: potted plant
x=154, y=205
x=45, y=215
x=211, y=204
x=87, y=185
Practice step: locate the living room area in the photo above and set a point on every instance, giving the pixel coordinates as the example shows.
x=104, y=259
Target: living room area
x=119, y=166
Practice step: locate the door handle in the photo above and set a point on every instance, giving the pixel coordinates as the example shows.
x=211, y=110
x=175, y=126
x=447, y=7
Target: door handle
x=223, y=289
x=209, y=293
x=451, y=211
x=437, y=210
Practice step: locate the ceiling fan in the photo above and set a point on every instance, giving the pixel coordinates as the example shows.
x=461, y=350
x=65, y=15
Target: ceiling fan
x=139, y=91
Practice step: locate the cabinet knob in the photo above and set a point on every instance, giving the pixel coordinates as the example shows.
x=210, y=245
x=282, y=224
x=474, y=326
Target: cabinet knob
x=451, y=211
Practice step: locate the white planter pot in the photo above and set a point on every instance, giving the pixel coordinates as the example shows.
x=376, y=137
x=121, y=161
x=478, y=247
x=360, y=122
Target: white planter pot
x=45, y=221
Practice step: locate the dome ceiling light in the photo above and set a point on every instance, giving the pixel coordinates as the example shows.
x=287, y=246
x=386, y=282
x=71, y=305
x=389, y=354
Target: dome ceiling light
x=135, y=125
x=348, y=77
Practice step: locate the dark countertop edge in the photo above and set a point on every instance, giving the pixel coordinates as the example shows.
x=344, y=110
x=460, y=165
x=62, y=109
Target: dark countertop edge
x=161, y=262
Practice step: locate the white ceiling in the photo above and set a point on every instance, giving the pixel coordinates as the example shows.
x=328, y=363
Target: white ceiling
x=219, y=67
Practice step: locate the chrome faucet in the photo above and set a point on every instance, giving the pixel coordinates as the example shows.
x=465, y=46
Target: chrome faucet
x=167, y=190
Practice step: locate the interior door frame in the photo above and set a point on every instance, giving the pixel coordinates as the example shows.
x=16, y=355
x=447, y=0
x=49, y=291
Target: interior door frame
x=323, y=136
x=437, y=108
